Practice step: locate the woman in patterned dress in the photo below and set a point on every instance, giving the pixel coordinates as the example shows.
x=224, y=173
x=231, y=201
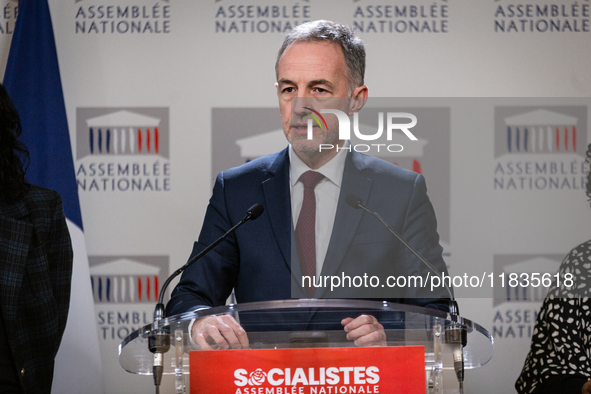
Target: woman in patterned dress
x=559, y=360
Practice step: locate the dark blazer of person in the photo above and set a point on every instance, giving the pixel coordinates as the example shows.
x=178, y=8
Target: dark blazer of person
x=257, y=260
x=35, y=278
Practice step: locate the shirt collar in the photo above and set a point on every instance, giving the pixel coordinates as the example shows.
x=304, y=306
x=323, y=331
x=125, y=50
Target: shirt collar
x=333, y=170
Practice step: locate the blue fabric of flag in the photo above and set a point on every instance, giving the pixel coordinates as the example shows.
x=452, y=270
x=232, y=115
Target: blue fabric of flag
x=32, y=79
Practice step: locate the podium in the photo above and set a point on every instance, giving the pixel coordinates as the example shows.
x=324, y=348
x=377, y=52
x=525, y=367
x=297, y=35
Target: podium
x=450, y=344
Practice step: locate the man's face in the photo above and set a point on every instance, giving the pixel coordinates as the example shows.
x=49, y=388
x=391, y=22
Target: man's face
x=313, y=73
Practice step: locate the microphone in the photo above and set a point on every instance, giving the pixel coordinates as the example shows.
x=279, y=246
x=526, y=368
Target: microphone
x=354, y=200
x=255, y=211
x=251, y=214
x=159, y=342
x=452, y=335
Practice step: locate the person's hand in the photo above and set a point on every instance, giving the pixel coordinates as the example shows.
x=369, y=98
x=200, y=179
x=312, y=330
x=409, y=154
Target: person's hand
x=364, y=330
x=586, y=388
x=222, y=331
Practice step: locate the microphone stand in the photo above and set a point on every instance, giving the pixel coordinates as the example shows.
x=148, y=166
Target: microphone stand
x=454, y=334
x=159, y=339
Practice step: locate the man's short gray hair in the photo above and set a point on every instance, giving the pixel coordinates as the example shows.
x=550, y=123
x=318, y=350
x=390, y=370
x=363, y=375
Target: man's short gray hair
x=323, y=30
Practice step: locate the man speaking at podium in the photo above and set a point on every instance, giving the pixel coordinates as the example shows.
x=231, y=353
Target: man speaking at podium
x=307, y=228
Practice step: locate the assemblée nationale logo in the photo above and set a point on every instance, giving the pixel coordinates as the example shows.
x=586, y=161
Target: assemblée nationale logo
x=418, y=16
x=518, y=296
x=125, y=289
x=540, y=148
x=122, y=149
x=542, y=16
x=252, y=17
x=94, y=17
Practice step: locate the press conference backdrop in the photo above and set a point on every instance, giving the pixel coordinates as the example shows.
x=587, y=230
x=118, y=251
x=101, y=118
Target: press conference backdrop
x=161, y=95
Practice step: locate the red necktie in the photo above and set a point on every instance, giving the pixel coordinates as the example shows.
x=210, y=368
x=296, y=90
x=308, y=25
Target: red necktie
x=305, y=230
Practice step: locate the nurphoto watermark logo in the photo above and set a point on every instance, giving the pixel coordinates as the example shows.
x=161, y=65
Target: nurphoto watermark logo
x=390, y=134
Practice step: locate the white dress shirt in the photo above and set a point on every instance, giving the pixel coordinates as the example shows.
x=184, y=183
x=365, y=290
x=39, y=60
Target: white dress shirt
x=327, y=196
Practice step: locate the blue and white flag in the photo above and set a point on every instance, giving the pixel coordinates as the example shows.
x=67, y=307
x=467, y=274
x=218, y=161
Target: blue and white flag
x=32, y=80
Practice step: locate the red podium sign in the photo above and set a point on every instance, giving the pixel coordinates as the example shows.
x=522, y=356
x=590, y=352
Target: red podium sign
x=309, y=371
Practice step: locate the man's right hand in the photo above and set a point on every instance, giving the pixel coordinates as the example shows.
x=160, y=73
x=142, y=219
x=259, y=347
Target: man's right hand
x=222, y=331
x=586, y=388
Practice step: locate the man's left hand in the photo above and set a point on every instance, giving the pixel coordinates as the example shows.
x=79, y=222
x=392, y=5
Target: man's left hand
x=364, y=330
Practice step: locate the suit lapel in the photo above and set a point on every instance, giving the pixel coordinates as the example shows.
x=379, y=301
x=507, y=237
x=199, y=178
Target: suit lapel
x=347, y=218
x=278, y=203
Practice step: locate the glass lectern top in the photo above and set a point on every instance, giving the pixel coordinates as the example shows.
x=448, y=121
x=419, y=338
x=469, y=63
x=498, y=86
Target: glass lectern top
x=310, y=323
